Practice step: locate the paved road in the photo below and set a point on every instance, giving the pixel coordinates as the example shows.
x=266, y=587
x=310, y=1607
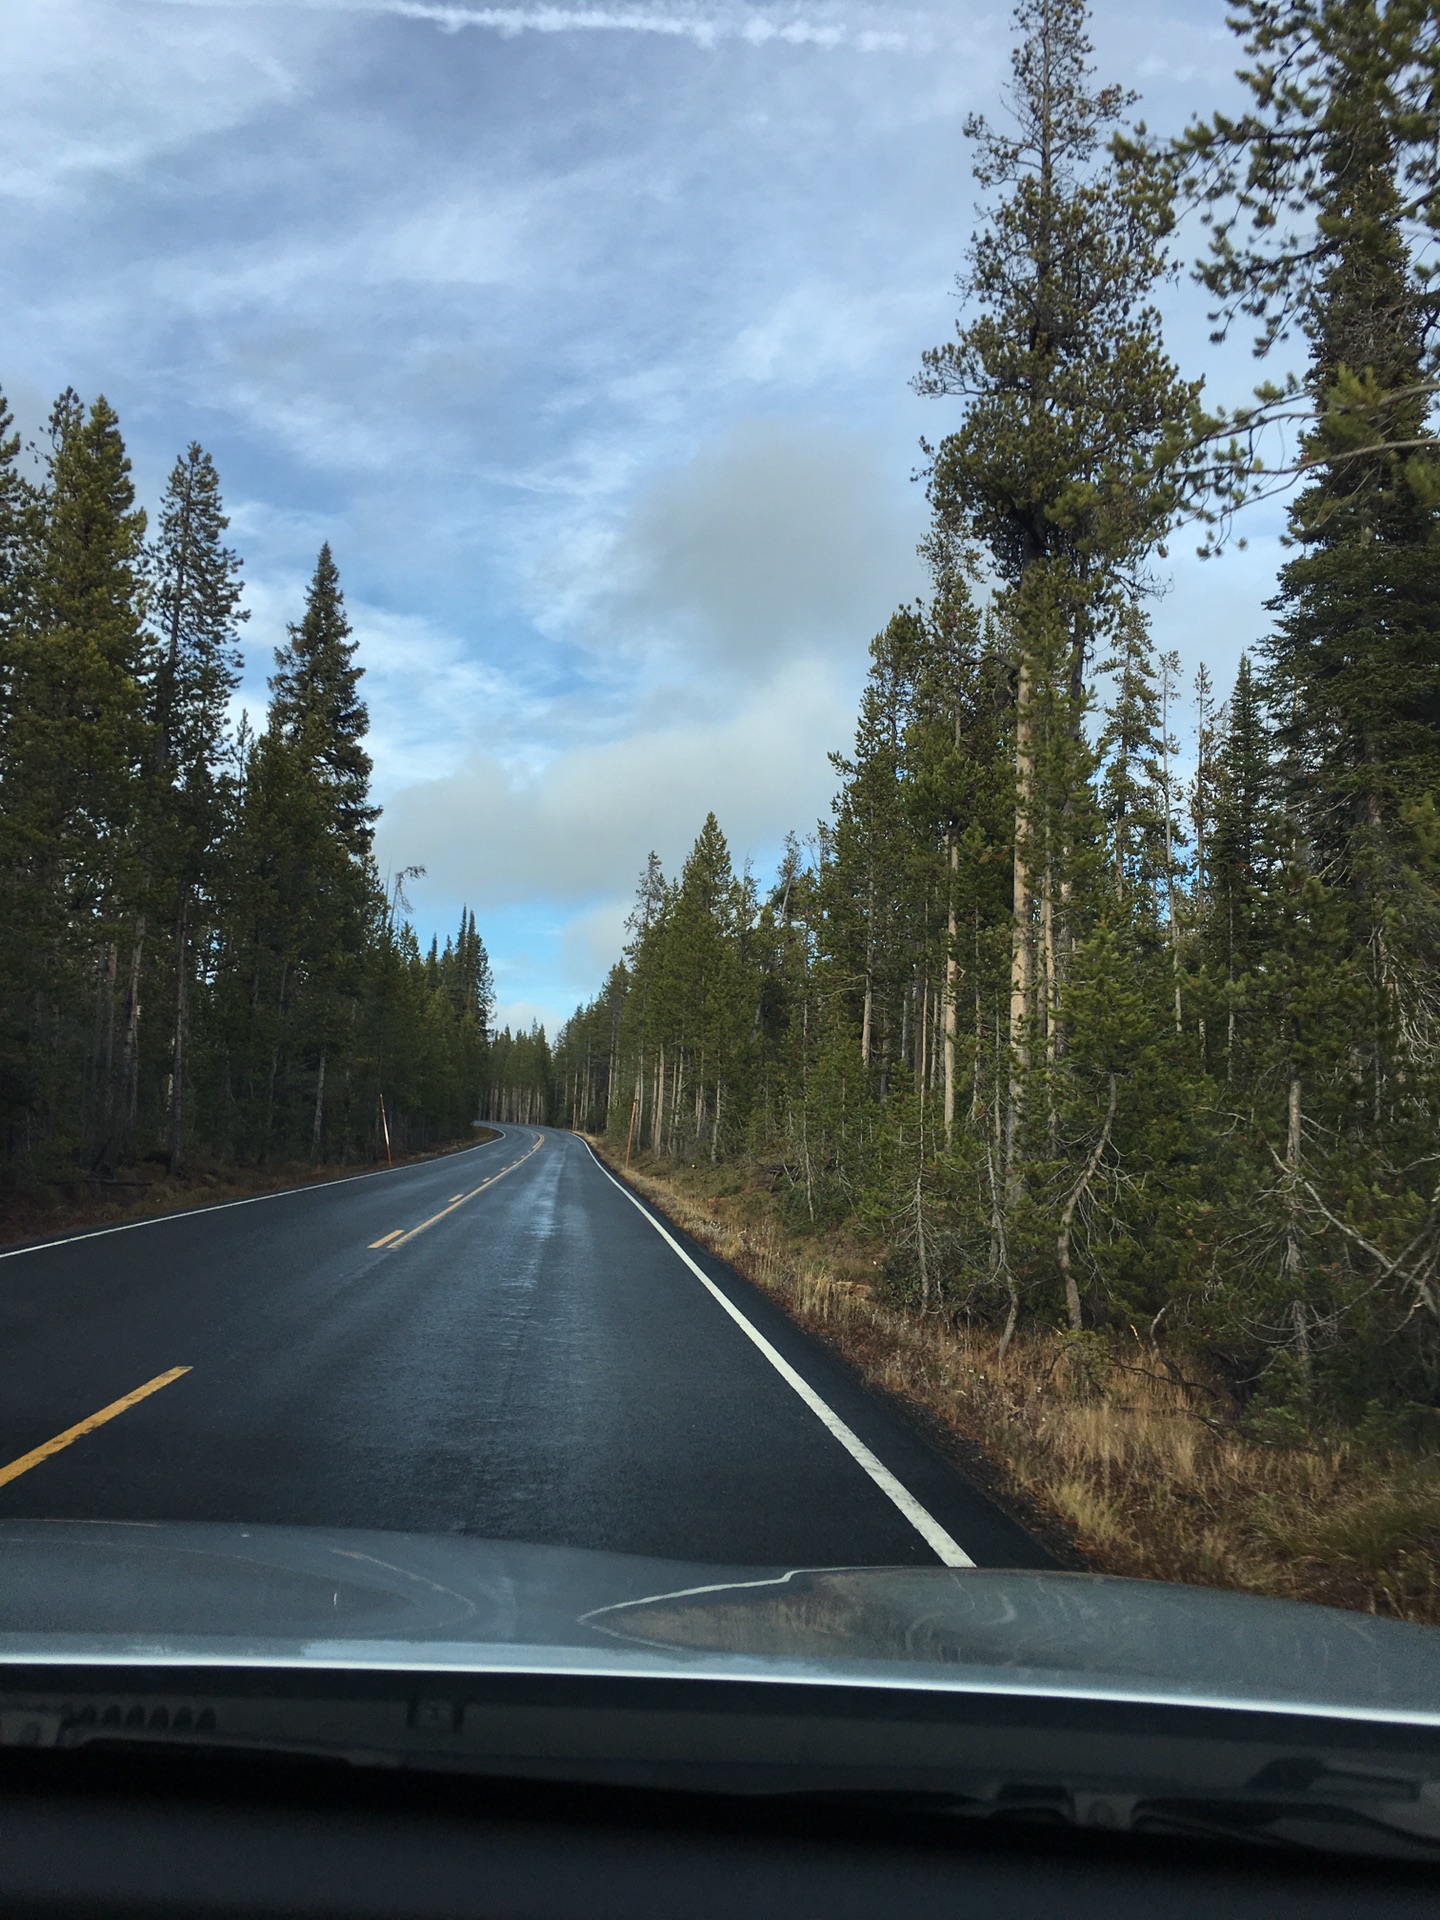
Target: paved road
x=527, y=1357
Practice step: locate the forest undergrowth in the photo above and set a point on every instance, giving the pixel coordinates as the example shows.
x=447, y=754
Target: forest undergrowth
x=78, y=1202
x=1139, y=1458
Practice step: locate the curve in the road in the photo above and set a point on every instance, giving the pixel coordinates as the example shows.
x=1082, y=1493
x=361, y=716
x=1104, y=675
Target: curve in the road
x=524, y=1357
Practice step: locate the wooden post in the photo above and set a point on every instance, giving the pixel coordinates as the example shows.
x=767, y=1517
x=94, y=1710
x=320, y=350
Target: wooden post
x=385, y=1126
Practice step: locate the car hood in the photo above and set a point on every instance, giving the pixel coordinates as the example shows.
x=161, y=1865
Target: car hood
x=222, y=1594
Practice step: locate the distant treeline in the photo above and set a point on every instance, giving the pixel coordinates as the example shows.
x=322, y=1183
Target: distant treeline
x=519, y=1078
x=1089, y=1044
x=197, y=955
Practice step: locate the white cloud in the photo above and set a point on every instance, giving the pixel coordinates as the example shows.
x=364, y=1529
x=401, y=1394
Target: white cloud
x=430, y=696
x=518, y=1015
x=579, y=830
x=591, y=942
x=87, y=89
x=783, y=537
x=493, y=298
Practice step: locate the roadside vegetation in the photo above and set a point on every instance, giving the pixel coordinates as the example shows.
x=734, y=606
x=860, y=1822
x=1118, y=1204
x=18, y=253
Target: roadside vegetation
x=1099, y=1441
x=75, y=1202
x=1093, y=1079
x=1121, y=1060
x=201, y=969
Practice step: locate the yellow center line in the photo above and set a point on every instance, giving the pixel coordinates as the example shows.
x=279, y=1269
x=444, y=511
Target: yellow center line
x=386, y=1238
x=400, y=1239
x=37, y=1454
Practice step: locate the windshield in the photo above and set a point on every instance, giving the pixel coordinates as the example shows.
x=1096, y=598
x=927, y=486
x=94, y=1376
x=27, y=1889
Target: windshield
x=719, y=746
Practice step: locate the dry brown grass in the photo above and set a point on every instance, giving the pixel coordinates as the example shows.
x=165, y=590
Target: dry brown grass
x=1147, y=1472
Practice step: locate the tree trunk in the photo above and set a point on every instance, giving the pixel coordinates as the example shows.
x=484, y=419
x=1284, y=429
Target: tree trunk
x=1293, y=1257
x=922, y=1048
x=952, y=976
x=130, y=1047
x=179, y=1065
x=317, y=1128
x=1022, y=952
x=1067, y=1217
x=99, y=1103
x=1165, y=689
x=999, y=1254
x=920, y=1244
x=1047, y=998
x=868, y=1016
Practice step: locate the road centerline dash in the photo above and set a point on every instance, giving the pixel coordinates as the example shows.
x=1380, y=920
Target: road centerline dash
x=223, y=1206
x=399, y=1241
x=82, y=1427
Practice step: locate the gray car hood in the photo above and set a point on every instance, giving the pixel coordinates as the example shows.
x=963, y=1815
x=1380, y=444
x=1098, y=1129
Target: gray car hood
x=190, y=1593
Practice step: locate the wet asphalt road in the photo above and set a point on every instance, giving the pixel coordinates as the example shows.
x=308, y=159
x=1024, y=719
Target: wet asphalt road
x=536, y=1364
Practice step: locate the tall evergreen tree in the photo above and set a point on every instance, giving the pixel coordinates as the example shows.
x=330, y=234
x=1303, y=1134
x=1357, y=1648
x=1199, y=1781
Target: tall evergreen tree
x=1055, y=469
x=1131, y=744
x=76, y=742
x=316, y=706
x=18, y=529
x=196, y=615
x=1244, y=854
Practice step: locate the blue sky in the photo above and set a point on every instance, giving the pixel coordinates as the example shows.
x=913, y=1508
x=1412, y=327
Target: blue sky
x=583, y=334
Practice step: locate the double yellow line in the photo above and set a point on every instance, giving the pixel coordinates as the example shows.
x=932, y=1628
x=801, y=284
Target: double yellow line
x=400, y=1235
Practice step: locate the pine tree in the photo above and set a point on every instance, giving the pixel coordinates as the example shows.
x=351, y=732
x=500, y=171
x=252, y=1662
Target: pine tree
x=318, y=721
x=1055, y=469
x=1245, y=852
x=705, y=984
x=1208, y=720
x=869, y=882
x=196, y=614
x=1131, y=746
x=18, y=531
x=76, y=742
x=1355, y=657
x=317, y=709
x=1330, y=82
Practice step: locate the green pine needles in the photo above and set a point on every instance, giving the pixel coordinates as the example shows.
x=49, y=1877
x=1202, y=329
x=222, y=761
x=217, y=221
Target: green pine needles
x=198, y=958
x=1092, y=1033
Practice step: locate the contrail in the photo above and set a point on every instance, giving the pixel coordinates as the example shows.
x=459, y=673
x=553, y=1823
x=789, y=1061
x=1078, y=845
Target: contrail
x=706, y=29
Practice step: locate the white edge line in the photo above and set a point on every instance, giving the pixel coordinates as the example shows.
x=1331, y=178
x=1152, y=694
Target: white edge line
x=220, y=1206
x=950, y=1552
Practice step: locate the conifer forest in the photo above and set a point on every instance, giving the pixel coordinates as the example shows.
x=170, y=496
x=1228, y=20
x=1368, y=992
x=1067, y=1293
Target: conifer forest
x=1107, y=999
x=197, y=955
x=1108, y=996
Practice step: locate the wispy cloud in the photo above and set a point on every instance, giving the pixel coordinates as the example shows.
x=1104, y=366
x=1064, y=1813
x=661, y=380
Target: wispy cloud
x=705, y=28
